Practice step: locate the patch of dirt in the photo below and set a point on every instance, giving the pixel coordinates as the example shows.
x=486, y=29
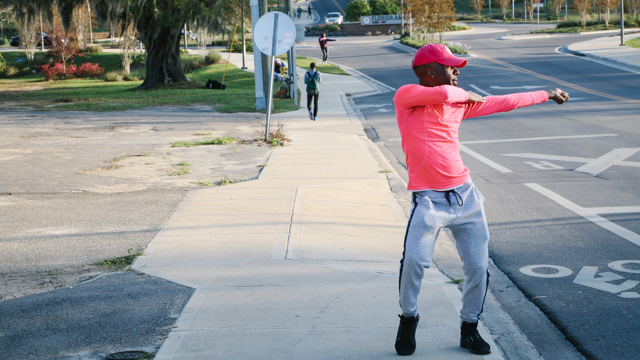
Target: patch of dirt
x=15, y=286
x=108, y=153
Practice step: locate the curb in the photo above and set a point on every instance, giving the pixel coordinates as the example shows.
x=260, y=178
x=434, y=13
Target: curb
x=601, y=59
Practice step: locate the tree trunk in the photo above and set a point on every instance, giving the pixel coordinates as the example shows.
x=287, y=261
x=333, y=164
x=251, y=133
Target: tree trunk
x=163, y=55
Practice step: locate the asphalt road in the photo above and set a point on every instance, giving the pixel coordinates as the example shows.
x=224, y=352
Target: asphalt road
x=561, y=182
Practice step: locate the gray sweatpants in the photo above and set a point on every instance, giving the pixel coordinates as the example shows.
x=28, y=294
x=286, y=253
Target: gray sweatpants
x=464, y=215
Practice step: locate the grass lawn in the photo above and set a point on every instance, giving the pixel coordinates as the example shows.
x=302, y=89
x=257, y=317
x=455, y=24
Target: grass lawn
x=633, y=43
x=304, y=63
x=97, y=95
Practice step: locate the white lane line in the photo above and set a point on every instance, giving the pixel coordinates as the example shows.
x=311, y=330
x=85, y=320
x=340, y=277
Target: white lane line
x=525, y=87
x=606, y=161
x=587, y=214
x=480, y=90
x=551, y=157
x=537, y=138
x=493, y=164
x=615, y=210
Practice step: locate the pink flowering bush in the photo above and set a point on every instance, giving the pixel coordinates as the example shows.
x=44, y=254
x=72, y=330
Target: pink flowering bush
x=89, y=70
x=58, y=71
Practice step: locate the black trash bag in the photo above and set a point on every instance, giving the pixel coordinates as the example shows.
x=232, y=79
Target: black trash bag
x=215, y=84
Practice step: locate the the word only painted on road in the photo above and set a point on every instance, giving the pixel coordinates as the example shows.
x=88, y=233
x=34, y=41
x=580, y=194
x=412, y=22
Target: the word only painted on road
x=590, y=277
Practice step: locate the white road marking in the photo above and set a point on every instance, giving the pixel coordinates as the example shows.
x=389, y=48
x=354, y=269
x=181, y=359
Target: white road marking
x=544, y=165
x=562, y=271
x=526, y=87
x=368, y=106
x=615, y=210
x=384, y=110
x=493, y=164
x=395, y=139
x=617, y=265
x=593, y=166
x=587, y=214
x=537, y=138
x=606, y=161
x=587, y=277
x=480, y=90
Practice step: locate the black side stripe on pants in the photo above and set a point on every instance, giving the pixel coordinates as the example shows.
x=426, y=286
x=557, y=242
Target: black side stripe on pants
x=485, y=294
x=406, y=234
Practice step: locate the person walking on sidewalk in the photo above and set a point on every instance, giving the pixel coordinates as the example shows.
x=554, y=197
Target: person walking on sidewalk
x=299, y=11
x=324, y=47
x=443, y=195
x=309, y=10
x=312, y=79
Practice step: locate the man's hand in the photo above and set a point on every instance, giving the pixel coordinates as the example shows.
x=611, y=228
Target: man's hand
x=473, y=97
x=558, y=95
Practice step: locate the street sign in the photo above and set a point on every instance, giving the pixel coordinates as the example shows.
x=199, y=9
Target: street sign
x=285, y=34
x=274, y=34
x=537, y=5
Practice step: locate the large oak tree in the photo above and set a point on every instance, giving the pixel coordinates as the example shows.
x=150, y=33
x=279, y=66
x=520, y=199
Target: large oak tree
x=159, y=23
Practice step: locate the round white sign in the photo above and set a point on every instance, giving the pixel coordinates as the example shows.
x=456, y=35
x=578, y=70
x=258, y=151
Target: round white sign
x=285, y=33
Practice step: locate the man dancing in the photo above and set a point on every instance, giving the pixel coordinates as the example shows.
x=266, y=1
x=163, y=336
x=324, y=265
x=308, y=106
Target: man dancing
x=429, y=115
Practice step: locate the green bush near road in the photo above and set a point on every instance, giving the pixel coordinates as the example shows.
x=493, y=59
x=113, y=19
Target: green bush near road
x=456, y=48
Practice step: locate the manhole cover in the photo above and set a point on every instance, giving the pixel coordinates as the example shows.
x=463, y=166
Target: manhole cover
x=127, y=355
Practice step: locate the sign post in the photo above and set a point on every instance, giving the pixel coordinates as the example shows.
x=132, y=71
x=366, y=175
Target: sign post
x=538, y=5
x=277, y=35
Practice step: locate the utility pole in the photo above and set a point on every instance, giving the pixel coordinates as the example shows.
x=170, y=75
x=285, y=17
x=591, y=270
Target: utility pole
x=489, y=10
x=525, y=10
x=622, y=23
x=264, y=9
x=401, y=18
x=244, y=44
x=293, y=67
x=257, y=59
x=513, y=9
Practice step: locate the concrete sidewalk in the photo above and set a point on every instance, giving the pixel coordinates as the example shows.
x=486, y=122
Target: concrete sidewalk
x=303, y=262
x=608, y=51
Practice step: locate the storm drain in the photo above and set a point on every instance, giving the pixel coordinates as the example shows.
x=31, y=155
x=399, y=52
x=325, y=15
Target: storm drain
x=128, y=355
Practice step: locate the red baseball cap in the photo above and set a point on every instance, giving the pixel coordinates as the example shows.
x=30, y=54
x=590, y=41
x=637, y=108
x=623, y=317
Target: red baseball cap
x=439, y=53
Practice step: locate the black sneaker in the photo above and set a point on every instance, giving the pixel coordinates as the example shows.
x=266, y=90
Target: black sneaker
x=471, y=339
x=406, y=338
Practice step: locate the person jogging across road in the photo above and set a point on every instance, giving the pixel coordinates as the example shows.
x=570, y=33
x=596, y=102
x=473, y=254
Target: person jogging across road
x=443, y=195
x=312, y=78
x=324, y=47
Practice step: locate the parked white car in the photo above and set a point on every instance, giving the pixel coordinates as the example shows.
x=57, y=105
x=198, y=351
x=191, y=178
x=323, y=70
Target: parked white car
x=333, y=18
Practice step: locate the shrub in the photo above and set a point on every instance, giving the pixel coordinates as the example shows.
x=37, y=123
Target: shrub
x=3, y=64
x=191, y=63
x=237, y=46
x=57, y=71
x=89, y=70
x=113, y=76
x=3, y=40
x=92, y=49
x=329, y=29
x=212, y=57
x=130, y=77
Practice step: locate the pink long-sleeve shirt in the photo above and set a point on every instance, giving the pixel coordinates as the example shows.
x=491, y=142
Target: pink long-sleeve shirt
x=429, y=118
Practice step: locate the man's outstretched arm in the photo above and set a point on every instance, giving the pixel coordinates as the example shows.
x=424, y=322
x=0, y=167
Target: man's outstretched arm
x=495, y=104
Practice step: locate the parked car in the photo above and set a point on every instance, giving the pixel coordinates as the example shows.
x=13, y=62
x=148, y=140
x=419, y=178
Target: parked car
x=15, y=41
x=191, y=35
x=333, y=18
